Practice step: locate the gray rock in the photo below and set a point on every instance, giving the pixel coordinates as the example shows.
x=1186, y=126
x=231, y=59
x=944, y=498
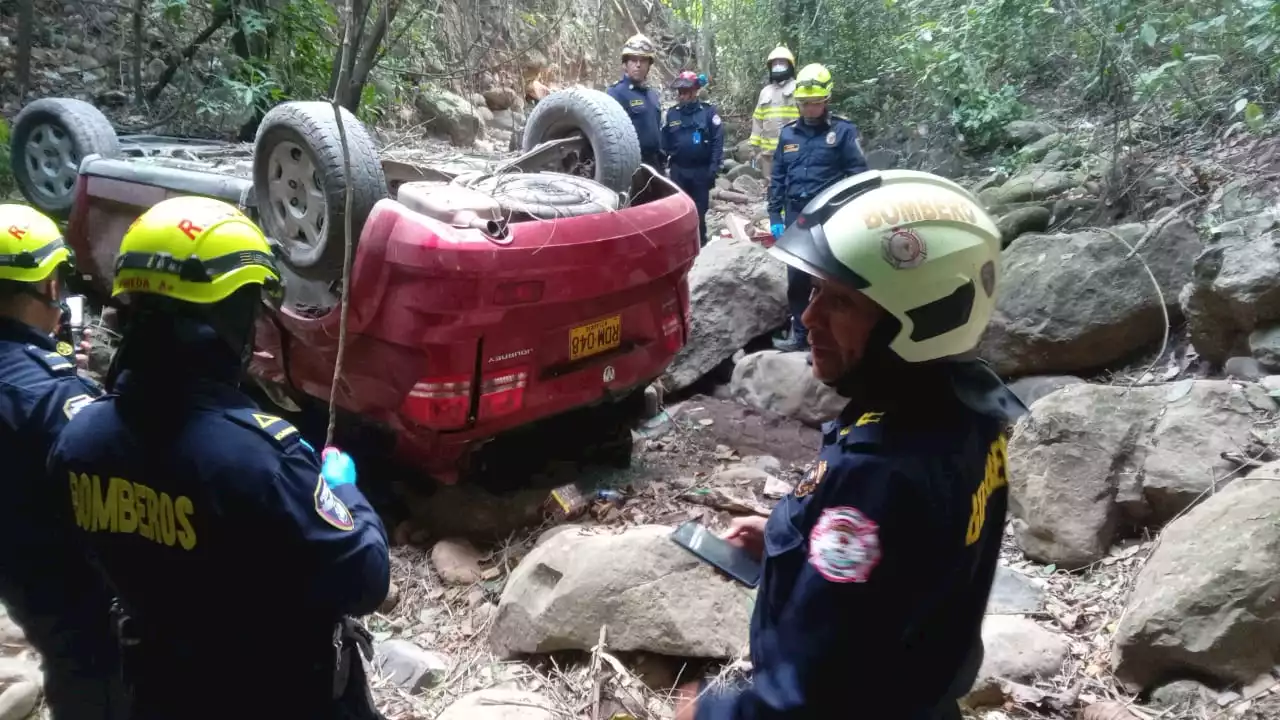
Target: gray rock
x=457, y=561
x=1036, y=183
x=749, y=185
x=784, y=383
x=1018, y=649
x=1013, y=593
x=502, y=98
x=1243, y=368
x=1181, y=694
x=724, y=183
x=408, y=666
x=19, y=700
x=449, y=116
x=737, y=293
x=1032, y=388
x=881, y=159
x=1038, y=149
x=1265, y=346
x=1023, y=220
x=744, y=170
x=1093, y=458
x=994, y=180
x=1073, y=303
x=653, y=595
x=1235, y=288
x=501, y=704
x=1025, y=132
x=744, y=151
x=1204, y=604
x=504, y=120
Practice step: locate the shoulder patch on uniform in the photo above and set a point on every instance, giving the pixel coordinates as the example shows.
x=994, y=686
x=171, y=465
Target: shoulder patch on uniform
x=868, y=429
x=64, y=349
x=55, y=362
x=330, y=507
x=844, y=545
x=73, y=406
x=715, y=118
x=275, y=428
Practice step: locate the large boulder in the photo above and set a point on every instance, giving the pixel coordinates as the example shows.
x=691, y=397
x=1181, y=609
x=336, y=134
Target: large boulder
x=1093, y=460
x=1025, y=132
x=447, y=115
x=653, y=595
x=737, y=293
x=1236, y=287
x=1034, y=183
x=1205, y=603
x=784, y=383
x=1074, y=303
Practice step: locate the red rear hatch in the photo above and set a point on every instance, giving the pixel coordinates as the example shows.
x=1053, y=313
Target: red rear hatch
x=453, y=333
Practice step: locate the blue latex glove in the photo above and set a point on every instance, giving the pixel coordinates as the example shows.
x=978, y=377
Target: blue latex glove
x=777, y=229
x=337, y=468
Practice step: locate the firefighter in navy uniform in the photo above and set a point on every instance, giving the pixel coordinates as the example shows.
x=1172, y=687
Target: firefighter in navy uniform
x=878, y=566
x=227, y=538
x=813, y=152
x=642, y=103
x=693, y=141
x=51, y=591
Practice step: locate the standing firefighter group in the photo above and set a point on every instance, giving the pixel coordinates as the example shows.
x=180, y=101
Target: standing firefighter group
x=803, y=147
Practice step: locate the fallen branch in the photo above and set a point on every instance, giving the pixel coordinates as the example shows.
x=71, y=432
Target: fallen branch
x=174, y=62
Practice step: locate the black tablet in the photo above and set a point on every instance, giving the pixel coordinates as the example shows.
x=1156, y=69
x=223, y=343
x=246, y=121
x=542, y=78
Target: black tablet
x=717, y=552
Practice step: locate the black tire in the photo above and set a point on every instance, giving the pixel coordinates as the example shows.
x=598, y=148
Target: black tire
x=549, y=195
x=47, y=122
x=582, y=111
x=311, y=129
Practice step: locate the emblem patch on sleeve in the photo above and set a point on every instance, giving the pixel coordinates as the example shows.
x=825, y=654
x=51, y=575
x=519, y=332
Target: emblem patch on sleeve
x=331, y=509
x=844, y=545
x=811, y=480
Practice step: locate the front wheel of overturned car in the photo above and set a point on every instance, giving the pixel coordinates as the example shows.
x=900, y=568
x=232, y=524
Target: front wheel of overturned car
x=48, y=140
x=300, y=178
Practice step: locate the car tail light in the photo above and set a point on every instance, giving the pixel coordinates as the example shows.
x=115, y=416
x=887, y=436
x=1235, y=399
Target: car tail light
x=672, y=335
x=502, y=393
x=441, y=403
x=518, y=293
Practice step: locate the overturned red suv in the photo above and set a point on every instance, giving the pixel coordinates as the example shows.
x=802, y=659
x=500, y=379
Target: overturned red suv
x=485, y=300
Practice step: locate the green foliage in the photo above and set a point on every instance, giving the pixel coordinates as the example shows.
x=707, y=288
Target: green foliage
x=973, y=63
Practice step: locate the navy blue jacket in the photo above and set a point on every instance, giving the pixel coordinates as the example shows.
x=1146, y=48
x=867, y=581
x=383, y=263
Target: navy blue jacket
x=205, y=513
x=644, y=106
x=693, y=137
x=808, y=159
x=877, y=568
x=50, y=588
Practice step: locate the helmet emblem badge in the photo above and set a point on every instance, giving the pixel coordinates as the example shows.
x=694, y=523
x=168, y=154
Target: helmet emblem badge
x=904, y=248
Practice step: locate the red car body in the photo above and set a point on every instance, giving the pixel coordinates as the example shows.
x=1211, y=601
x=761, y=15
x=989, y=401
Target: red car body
x=453, y=339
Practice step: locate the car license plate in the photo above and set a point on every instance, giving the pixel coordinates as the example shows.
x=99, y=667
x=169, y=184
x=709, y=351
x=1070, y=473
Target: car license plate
x=596, y=337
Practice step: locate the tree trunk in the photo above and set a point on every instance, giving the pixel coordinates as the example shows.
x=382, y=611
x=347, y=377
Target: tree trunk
x=26, y=28
x=707, y=42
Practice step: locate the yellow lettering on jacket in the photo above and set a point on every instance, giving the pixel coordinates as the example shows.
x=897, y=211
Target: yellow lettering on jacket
x=995, y=477
x=123, y=506
x=915, y=210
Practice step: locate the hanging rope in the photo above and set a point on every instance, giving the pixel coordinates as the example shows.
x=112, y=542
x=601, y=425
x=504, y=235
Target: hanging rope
x=340, y=83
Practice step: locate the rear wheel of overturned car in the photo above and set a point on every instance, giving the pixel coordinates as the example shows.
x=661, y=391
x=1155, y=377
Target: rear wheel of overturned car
x=298, y=173
x=49, y=139
x=614, y=153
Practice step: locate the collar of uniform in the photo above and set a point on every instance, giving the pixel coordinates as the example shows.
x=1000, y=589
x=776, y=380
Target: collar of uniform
x=789, y=87
x=20, y=332
x=197, y=391
x=856, y=425
x=819, y=129
x=633, y=85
